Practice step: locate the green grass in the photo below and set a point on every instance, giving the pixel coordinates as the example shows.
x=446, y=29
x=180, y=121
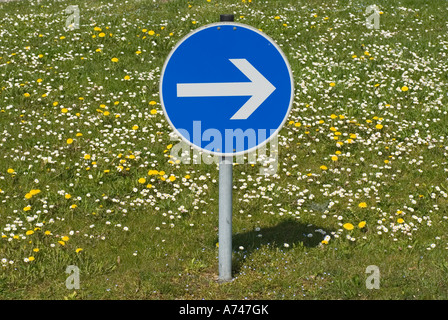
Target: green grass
x=160, y=241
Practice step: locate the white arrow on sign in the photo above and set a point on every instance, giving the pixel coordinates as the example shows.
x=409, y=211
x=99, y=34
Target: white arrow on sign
x=258, y=87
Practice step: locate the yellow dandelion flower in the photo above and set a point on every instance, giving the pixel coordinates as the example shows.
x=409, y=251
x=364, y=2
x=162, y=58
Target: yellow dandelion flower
x=65, y=238
x=142, y=180
x=362, y=224
x=114, y=59
x=78, y=250
x=404, y=88
x=323, y=167
x=362, y=205
x=348, y=226
x=29, y=232
x=33, y=192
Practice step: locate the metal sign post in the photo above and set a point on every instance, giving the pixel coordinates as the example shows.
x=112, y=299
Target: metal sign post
x=225, y=218
x=225, y=207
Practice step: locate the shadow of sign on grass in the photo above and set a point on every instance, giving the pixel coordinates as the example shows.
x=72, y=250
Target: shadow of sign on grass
x=285, y=235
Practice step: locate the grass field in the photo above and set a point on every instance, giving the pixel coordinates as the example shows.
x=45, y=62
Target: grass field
x=86, y=177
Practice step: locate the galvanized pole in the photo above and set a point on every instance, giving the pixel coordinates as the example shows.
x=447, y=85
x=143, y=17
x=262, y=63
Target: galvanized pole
x=225, y=218
x=225, y=207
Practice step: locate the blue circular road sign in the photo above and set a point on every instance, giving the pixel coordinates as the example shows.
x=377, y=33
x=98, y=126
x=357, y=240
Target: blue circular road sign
x=226, y=88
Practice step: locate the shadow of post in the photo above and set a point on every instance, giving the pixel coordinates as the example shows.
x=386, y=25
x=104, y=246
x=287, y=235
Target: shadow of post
x=289, y=231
